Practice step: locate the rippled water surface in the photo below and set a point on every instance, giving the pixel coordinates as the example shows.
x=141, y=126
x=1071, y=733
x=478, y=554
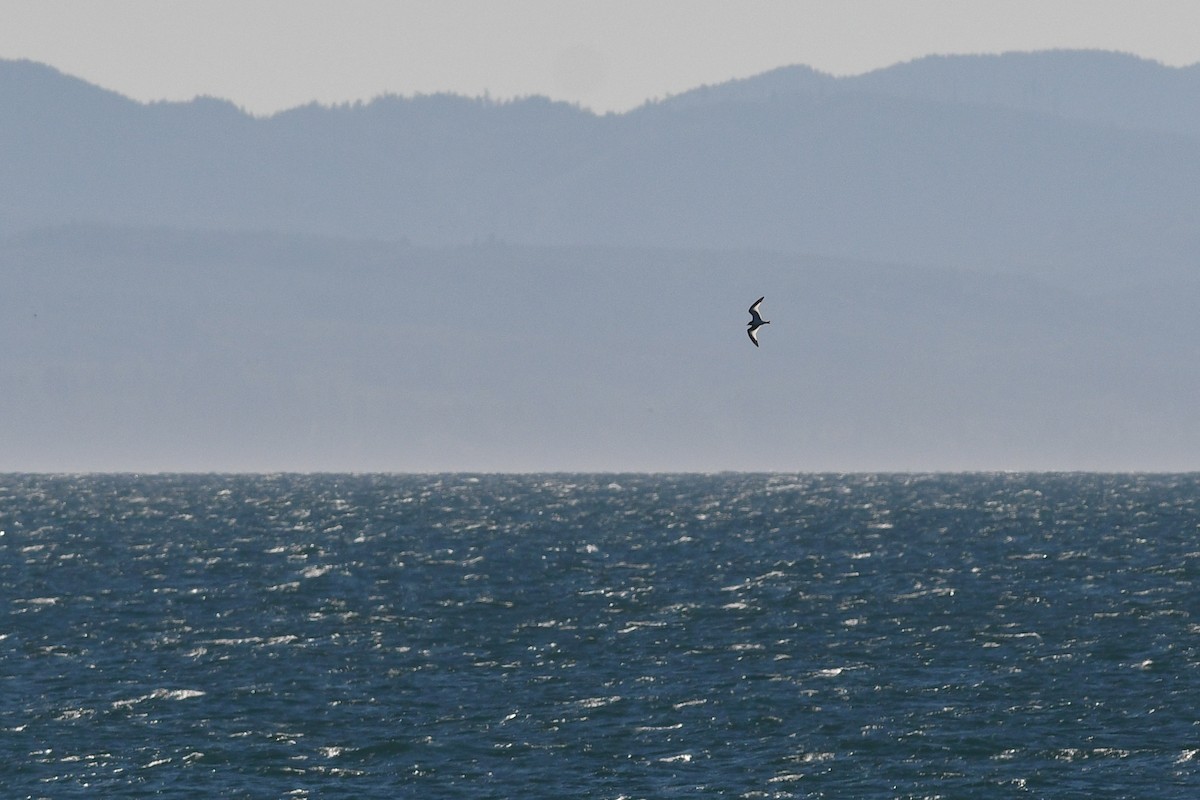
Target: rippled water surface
x=600, y=636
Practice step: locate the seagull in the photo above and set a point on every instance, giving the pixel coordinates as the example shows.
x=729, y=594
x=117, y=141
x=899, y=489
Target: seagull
x=756, y=321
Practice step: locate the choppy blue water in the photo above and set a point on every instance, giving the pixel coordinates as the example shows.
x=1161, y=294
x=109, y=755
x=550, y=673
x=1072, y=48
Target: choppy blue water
x=600, y=636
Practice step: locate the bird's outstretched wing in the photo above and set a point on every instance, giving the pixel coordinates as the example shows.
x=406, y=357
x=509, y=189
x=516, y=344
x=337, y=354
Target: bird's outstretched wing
x=753, y=338
x=754, y=315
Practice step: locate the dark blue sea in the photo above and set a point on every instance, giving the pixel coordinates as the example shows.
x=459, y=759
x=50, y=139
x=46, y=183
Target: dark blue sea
x=600, y=636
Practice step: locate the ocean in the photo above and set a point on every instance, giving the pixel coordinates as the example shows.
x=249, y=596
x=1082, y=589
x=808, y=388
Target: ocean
x=600, y=636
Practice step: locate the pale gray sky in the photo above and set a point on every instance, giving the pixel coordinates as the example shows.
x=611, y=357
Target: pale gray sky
x=268, y=55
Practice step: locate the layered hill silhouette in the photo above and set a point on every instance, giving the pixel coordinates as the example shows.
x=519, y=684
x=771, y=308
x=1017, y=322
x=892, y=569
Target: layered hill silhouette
x=144, y=350
x=969, y=263
x=1072, y=165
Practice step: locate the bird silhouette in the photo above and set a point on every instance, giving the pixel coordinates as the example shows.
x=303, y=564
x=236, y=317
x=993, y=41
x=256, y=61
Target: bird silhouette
x=756, y=321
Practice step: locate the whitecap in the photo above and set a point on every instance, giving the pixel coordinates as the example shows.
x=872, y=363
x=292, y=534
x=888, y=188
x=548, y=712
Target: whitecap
x=786, y=777
x=686, y=703
x=160, y=694
x=598, y=702
x=682, y=758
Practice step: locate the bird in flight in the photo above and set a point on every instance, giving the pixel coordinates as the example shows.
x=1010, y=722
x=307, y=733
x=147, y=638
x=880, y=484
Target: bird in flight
x=756, y=321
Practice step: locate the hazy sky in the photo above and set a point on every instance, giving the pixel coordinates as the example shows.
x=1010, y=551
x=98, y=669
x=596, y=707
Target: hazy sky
x=267, y=55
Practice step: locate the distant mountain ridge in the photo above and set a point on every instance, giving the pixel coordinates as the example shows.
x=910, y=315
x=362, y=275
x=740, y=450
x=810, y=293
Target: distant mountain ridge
x=1069, y=165
x=1106, y=88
